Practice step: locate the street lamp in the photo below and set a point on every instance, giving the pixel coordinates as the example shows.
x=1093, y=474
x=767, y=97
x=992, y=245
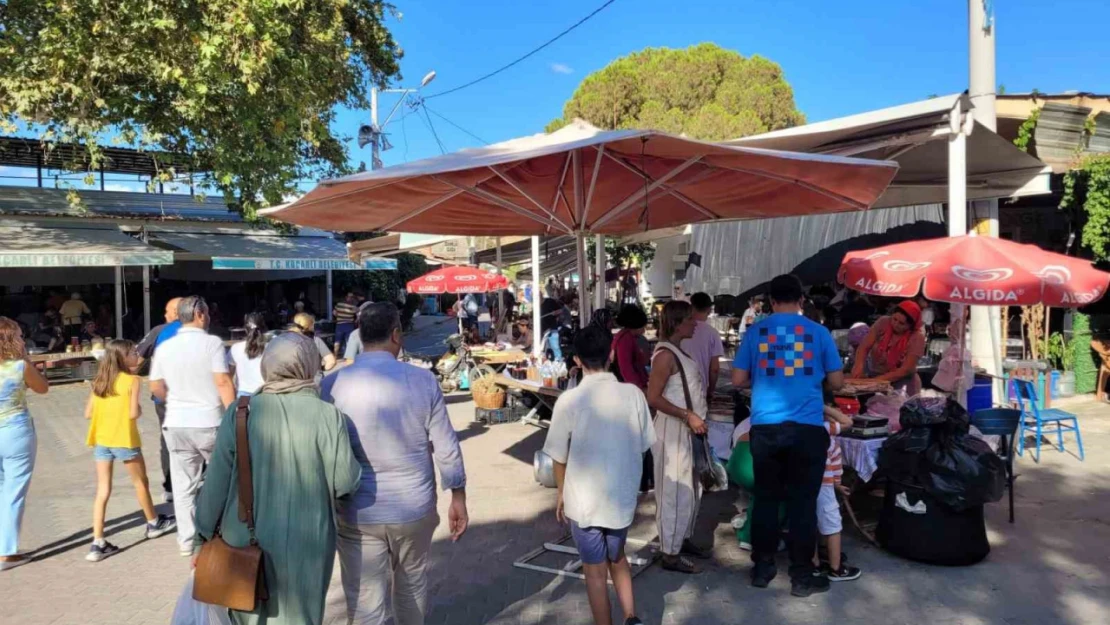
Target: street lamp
x=373, y=133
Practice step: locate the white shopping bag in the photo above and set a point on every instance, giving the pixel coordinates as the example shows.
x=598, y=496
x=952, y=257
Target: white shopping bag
x=189, y=611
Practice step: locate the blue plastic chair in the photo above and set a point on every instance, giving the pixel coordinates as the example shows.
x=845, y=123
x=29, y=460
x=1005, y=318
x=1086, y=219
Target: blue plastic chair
x=1001, y=422
x=1034, y=419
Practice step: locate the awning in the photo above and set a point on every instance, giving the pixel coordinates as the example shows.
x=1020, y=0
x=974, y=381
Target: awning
x=916, y=137
x=41, y=244
x=243, y=250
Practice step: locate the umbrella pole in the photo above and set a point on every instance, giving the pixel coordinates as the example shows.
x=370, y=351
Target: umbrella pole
x=500, y=296
x=583, y=270
x=600, y=285
x=537, y=287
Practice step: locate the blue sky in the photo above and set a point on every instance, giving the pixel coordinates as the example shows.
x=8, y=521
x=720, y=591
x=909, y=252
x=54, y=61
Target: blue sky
x=841, y=57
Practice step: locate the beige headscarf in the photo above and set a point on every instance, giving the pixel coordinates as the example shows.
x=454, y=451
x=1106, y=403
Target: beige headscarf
x=289, y=364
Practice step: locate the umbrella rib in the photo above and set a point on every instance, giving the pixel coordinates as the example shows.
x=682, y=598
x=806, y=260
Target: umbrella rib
x=801, y=183
x=308, y=202
x=639, y=194
x=576, y=161
x=503, y=203
x=423, y=209
x=562, y=180
x=530, y=198
x=672, y=190
x=593, y=179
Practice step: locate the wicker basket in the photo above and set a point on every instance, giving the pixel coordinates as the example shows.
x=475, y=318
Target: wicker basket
x=489, y=400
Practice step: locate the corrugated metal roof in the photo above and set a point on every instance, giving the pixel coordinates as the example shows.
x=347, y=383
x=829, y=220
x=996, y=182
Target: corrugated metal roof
x=35, y=201
x=1059, y=131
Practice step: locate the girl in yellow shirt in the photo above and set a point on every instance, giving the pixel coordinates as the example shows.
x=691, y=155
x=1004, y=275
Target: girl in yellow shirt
x=112, y=411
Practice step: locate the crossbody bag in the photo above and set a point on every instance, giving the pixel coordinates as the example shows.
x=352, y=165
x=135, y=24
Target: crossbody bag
x=703, y=463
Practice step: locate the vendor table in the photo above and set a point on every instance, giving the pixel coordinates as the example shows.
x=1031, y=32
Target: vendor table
x=78, y=366
x=862, y=455
x=496, y=357
x=545, y=394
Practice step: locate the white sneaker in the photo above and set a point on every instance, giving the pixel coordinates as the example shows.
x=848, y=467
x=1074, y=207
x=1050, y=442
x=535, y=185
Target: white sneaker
x=187, y=553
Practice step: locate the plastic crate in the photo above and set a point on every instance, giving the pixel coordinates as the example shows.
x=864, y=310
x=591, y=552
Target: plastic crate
x=508, y=414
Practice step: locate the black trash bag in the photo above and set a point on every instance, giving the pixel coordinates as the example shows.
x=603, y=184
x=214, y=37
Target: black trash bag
x=963, y=471
x=919, y=411
x=935, y=451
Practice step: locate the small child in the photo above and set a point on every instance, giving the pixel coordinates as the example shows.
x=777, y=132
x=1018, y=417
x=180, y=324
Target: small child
x=112, y=411
x=829, y=523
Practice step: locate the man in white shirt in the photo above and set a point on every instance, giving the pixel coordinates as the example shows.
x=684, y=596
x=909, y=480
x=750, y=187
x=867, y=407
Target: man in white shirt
x=189, y=373
x=599, y=433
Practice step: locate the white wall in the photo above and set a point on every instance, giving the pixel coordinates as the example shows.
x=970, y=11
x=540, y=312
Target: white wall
x=660, y=273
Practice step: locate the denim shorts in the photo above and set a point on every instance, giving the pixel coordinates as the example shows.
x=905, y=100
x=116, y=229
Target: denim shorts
x=598, y=545
x=123, y=454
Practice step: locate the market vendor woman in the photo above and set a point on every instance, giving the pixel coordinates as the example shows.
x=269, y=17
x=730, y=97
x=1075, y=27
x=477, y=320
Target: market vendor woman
x=892, y=348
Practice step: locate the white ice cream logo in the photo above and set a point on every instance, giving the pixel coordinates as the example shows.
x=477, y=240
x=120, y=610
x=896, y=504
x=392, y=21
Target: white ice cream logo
x=981, y=275
x=434, y=278
x=1054, y=274
x=904, y=265
x=878, y=287
x=466, y=278
x=1081, y=298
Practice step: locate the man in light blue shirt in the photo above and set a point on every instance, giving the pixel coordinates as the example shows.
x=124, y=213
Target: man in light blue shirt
x=397, y=418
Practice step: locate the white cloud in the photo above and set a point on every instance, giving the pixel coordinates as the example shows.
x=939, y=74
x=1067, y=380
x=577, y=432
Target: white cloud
x=561, y=68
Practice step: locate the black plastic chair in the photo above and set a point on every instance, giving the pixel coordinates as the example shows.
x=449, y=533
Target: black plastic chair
x=1002, y=422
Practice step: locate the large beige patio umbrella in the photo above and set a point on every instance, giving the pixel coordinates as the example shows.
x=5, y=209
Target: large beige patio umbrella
x=581, y=180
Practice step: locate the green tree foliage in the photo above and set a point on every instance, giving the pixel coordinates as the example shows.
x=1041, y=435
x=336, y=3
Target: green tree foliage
x=1087, y=195
x=621, y=256
x=704, y=91
x=248, y=86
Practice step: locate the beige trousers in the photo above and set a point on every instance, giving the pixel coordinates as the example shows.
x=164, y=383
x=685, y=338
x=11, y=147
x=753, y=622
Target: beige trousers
x=374, y=557
x=677, y=493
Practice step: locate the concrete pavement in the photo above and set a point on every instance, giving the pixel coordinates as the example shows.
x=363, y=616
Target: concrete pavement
x=1049, y=567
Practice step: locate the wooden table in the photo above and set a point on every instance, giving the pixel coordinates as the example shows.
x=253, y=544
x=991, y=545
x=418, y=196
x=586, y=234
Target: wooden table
x=545, y=394
x=50, y=361
x=495, y=357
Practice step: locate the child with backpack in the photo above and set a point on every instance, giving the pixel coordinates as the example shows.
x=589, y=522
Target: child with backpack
x=112, y=411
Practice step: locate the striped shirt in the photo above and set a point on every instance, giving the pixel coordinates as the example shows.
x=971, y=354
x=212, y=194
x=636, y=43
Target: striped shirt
x=834, y=464
x=345, y=313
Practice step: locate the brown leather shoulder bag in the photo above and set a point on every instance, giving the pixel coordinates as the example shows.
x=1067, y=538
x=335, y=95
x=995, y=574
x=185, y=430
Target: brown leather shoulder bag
x=233, y=576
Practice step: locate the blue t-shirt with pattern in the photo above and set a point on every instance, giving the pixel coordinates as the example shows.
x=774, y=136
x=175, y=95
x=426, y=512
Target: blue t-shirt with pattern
x=787, y=357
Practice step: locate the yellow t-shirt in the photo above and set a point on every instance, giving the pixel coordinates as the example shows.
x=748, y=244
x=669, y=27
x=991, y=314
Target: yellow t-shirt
x=111, y=424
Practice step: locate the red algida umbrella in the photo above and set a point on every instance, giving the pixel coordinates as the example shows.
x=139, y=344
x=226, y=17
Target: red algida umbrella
x=460, y=279
x=974, y=270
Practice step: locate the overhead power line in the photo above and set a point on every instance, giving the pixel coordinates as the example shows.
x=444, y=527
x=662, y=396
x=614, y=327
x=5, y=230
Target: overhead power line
x=432, y=127
x=541, y=47
x=430, y=110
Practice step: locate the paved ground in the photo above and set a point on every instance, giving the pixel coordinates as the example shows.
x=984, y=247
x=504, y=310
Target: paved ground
x=1049, y=567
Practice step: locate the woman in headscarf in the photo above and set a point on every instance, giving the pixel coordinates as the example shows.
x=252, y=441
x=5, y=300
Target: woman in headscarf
x=301, y=462
x=892, y=348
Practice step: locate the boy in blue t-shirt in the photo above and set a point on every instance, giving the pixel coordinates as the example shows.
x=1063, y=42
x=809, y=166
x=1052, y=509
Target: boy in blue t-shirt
x=788, y=361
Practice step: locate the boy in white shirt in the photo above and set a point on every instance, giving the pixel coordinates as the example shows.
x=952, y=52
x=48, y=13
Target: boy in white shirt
x=599, y=433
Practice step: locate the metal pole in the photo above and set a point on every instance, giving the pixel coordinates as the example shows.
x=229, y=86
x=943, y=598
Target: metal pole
x=537, y=296
x=146, y=291
x=985, y=320
x=583, y=274
x=500, y=294
x=119, y=302
x=957, y=175
x=328, y=296
x=146, y=299
x=375, y=145
x=599, y=261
